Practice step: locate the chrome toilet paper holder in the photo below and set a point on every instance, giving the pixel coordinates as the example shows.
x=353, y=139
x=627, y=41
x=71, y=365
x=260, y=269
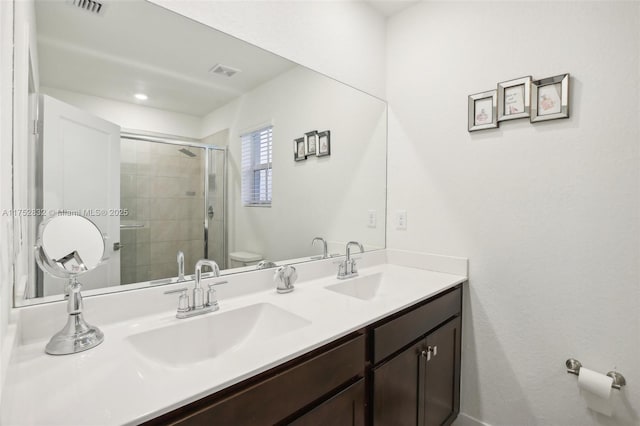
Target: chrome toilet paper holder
x=573, y=367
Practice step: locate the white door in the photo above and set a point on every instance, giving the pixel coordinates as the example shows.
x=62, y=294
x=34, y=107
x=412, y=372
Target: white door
x=81, y=172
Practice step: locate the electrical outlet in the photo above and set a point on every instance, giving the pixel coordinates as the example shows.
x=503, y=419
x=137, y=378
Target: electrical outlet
x=401, y=219
x=372, y=219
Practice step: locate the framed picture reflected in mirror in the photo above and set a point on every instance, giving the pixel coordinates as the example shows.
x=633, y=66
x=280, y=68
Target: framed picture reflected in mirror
x=311, y=142
x=299, y=149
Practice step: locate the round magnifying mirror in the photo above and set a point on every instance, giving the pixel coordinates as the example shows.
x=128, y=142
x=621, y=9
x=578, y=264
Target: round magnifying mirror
x=68, y=246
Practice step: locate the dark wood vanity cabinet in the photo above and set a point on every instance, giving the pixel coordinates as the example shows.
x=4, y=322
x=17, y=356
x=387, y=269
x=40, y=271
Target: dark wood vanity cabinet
x=345, y=409
x=442, y=375
x=402, y=370
x=420, y=385
x=285, y=393
x=416, y=374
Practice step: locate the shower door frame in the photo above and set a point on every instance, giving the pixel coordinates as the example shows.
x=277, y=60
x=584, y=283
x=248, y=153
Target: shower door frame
x=145, y=136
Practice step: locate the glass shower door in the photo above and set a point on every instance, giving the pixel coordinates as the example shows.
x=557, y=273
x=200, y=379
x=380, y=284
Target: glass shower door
x=174, y=193
x=216, y=215
x=163, y=192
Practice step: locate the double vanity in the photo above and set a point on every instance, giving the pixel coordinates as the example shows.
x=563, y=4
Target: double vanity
x=382, y=347
x=373, y=340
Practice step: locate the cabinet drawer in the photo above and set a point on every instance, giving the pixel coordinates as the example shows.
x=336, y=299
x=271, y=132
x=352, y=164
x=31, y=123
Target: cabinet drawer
x=273, y=399
x=344, y=409
x=399, y=332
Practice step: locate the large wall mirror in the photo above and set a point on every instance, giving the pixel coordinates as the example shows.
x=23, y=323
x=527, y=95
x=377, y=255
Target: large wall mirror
x=174, y=137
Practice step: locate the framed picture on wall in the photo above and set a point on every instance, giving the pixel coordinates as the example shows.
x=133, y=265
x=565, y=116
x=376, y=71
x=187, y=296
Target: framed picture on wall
x=299, y=149
x=311, y=141
x=482, y=111
x=324, y=143
x=514, y=98
x=550, y=98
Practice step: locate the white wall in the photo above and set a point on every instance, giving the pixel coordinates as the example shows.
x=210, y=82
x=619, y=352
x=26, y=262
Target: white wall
x=327, y=196
x=342, y=39
x=15, y=80
x=131, y=116
x=25, y=81
x=6, y=226
x=547, y=213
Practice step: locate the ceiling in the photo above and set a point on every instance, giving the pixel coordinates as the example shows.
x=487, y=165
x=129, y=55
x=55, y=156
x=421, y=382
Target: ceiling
x=391, y=7
x=137, y=47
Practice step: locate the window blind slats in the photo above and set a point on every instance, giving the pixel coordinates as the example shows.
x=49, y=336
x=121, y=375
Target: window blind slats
x=257, y=151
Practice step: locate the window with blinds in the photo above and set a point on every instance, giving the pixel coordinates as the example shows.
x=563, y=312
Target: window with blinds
x=257, y=149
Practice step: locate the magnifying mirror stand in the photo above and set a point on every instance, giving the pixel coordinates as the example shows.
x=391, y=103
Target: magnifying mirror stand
x=77, y=335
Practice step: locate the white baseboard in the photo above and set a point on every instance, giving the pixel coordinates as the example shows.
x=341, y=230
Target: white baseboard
x=466, y=420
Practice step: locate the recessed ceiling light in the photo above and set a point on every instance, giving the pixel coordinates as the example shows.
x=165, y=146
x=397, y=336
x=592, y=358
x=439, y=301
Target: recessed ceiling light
x=141, y=96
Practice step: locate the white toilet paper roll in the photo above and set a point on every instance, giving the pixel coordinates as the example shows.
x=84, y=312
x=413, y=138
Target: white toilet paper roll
x=594, y=382
x=596, y=390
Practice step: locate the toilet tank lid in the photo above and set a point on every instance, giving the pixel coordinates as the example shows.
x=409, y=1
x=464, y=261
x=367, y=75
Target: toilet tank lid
x=244, y=256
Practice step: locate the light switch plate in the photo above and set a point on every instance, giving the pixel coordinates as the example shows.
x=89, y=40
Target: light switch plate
x=401, y=220
x=372, y=219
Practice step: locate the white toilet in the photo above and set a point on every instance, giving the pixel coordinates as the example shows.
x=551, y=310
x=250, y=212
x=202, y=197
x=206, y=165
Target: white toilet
x=238, y=259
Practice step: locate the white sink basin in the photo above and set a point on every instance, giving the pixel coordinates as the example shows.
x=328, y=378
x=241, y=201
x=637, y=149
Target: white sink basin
x=363, y=287
x=200, y=338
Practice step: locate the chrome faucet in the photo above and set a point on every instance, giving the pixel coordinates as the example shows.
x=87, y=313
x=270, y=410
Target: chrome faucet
x=325, y=253
x=197, y=305
x=180, y=266
x=198, y=292
x=348, y=268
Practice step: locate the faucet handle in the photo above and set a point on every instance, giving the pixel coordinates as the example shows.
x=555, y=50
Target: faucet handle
x=342, y=268
x=183, y=300
x=354, y=267
x=211, y=295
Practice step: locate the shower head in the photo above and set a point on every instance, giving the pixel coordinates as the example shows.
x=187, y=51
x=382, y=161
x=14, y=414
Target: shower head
x=187, y=152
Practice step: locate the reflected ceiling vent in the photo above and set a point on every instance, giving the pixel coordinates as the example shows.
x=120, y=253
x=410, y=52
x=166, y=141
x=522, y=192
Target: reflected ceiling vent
x=224, y=70
x=92, y=6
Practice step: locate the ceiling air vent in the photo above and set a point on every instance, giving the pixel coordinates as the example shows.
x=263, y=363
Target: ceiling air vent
x=224, y=70
x=92, y=6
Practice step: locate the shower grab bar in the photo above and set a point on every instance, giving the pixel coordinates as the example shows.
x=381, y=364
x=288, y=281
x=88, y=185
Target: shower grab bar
x=136, y=225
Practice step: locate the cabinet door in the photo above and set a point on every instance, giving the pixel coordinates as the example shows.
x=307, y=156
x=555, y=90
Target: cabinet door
x=442, y=379
x=344, y=409
x=395, y=389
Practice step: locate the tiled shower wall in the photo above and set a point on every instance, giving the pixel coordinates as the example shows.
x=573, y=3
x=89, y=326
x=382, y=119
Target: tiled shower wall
x=163, y=190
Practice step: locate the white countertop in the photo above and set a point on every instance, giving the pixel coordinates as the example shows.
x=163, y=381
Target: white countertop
x=114, y=384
